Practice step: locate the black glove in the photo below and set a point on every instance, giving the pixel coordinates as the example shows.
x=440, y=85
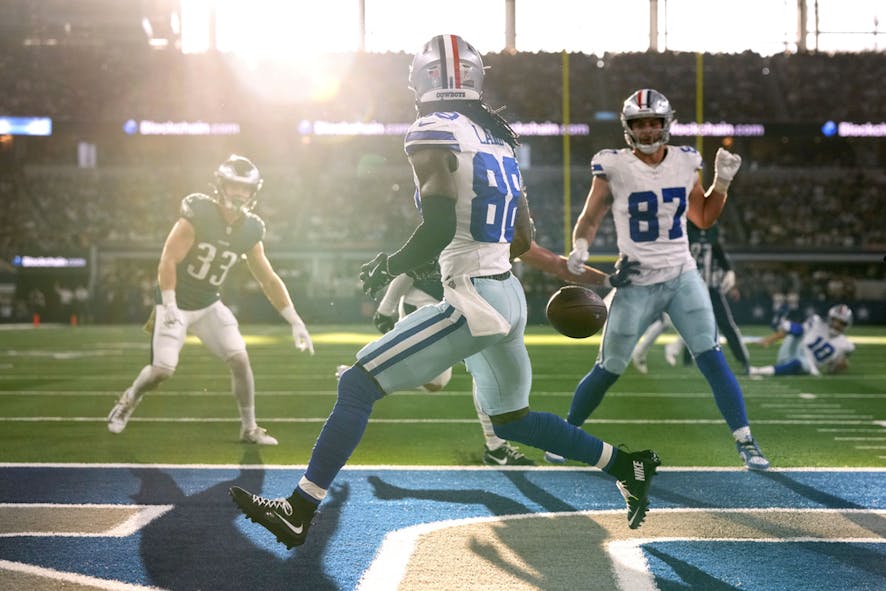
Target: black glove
x=624, y=268
x=383, y=323
x=426, y=271
x=374, y=275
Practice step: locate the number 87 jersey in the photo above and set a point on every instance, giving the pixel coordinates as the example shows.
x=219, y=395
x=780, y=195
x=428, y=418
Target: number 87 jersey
x=488, y=183
x=649, y=208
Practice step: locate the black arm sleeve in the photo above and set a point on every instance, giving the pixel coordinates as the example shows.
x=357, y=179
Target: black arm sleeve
x=720, y=255
x=430, y=237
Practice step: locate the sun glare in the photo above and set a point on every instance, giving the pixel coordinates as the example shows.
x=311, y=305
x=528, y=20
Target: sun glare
x=269, y=28
x=297, y=30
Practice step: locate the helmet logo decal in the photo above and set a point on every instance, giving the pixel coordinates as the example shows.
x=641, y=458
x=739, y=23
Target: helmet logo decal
x=450, y=69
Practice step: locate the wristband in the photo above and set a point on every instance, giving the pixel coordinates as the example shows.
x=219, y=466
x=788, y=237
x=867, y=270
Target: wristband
x=720, y=185
x=167, y=296
x=580, y=244
x=290, y=315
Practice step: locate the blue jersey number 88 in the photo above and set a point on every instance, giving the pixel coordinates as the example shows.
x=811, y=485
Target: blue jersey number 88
x=494, y=209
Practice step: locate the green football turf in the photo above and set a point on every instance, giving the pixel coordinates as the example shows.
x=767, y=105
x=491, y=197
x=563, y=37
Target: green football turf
x=57, y=385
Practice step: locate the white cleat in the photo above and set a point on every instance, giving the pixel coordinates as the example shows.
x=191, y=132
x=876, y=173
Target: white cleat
x=259, y=436
x=552, y=458
x=119, y=415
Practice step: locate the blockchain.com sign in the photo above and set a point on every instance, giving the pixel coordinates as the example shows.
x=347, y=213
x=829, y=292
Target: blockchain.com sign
x=170, y=128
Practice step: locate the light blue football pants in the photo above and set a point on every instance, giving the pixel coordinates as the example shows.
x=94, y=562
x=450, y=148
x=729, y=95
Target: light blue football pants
x=686, y=300
x=436, y=337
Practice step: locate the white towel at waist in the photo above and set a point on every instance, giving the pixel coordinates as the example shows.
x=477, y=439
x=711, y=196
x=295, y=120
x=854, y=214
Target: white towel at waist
x=482, y=318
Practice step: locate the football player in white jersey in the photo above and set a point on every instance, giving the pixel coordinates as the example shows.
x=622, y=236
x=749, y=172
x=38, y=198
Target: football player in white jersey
x=813, y=347
x=475, y=218
x=212, y=234
x=651, y=189
x=410, y=291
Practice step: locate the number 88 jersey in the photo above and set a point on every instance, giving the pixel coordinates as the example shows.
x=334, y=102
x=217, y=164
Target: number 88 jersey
x=217, y=248
x=649, y=208
x=488, y=183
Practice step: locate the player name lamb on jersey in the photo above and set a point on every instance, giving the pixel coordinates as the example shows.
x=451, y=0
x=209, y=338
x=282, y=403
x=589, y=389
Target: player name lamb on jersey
x=649, y=208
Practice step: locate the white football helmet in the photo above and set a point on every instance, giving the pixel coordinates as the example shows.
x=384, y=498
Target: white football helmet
x=640, y=105
x=448, y=68
x=839, y=319
x=237, y=171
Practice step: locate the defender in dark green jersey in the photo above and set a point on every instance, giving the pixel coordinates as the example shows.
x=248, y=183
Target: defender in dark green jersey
x=211, y=235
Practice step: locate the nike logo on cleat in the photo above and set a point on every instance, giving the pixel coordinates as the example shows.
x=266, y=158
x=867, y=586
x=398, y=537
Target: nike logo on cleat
x=639, y=473
x=295, y=530
x=501, y=461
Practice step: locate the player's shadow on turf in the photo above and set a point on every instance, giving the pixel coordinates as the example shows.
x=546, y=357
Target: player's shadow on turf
x=868, y=520
x=198, y=546
x=513, y=547
x=691, y=576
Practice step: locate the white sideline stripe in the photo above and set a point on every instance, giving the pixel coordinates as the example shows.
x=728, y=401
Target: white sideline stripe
x=145, y=515
x=824, y=414
x=800, y=404
x=859, y=438
x=388, y=567
x=77, y=579
x=841, y=420
x=446, y=393
x=408, y=468
x=858, y=430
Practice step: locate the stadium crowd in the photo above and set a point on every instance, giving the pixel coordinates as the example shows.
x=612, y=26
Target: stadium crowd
x=795, y=193
x=61, y=82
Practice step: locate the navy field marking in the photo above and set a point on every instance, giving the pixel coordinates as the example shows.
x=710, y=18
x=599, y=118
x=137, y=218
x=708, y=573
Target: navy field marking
x=173, y=527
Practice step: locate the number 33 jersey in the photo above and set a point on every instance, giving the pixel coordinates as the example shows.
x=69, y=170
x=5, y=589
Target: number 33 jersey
x=488, y=183
x=217, y=248
x=649, y=208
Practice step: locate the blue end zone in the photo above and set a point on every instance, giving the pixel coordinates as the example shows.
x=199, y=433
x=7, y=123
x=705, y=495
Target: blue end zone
x=202, y=542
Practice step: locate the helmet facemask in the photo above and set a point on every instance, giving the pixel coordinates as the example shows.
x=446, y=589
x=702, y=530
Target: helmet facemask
x=647, y=104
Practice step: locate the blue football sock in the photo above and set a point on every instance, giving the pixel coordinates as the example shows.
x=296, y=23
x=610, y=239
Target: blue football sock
x=727, y=392
x=790, y=368
x=589, y=394
x=549, y=432
x=344, y=428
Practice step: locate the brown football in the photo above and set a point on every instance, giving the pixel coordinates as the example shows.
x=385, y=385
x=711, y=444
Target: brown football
x=576, y=311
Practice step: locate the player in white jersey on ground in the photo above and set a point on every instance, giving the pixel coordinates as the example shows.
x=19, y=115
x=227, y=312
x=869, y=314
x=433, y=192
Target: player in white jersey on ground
x=651, y=189
x=475, y=218
x=813, y=347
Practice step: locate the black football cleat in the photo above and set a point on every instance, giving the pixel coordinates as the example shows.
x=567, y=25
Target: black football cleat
x=289, y=524
x=635, y=488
